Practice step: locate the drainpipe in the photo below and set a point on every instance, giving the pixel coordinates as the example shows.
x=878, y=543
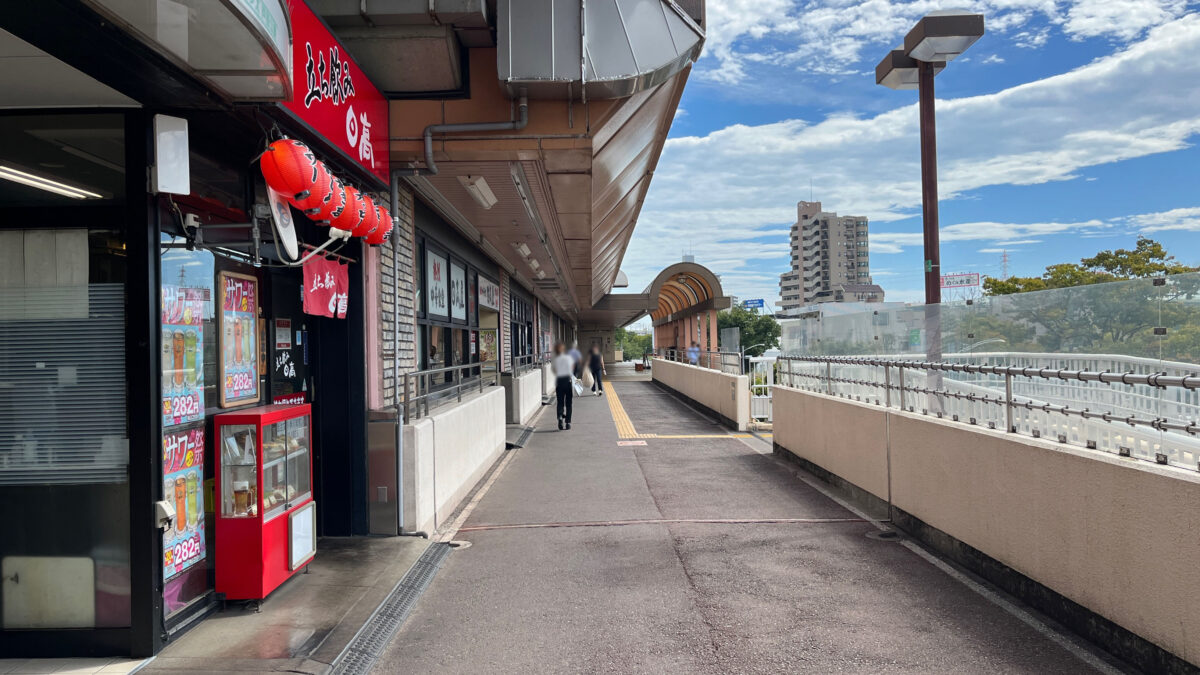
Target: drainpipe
x=396, y=380
x=431, y=168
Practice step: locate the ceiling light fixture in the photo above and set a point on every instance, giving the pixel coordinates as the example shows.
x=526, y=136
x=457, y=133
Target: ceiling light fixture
x=522, y=249
x=25, y=178
x=541, y=274
x=480, y=191
x=534, y=264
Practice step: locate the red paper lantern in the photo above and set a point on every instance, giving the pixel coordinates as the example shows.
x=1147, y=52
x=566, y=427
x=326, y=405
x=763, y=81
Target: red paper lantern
x=292, y=169
x=368, y=222
x=382, y=232
x=353, y=210
x=331, y=206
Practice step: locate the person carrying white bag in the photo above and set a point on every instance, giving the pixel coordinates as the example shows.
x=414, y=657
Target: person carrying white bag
x=565, y=384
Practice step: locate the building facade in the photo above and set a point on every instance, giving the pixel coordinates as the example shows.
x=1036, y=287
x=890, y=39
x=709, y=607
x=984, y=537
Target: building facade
x=152, y=286
x=830, y=260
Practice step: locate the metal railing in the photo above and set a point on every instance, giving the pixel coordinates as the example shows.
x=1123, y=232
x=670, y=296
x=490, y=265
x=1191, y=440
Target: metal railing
x=423, y=387
x=726, y=362
x=992, y=395
x=526, y=363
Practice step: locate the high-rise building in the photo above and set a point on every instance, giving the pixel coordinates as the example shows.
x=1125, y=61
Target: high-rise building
x=830, y=260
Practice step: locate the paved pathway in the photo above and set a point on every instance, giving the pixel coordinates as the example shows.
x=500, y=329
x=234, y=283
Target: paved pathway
x=698, y=554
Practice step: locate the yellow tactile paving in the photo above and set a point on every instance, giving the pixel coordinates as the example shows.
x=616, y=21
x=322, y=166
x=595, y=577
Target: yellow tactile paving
x=626, y=430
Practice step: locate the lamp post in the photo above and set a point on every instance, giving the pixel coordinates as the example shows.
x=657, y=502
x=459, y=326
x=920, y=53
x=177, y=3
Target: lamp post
x=936, y=39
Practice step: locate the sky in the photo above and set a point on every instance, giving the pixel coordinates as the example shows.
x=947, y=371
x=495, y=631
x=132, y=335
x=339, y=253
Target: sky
x=1071, y=127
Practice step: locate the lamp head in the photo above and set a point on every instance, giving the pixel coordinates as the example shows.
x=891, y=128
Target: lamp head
x=943, y=35
x=897, y=70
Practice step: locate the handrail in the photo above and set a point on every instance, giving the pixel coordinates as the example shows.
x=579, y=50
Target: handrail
x=894, y=392
x=723, y=360
x=422, y=393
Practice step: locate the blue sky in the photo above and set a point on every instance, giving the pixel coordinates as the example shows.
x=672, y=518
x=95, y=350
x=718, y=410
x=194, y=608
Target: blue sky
x=1069, y=128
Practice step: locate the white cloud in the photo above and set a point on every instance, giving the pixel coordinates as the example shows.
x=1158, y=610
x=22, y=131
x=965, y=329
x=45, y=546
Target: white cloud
x=726, y=190
x=993, y=58
x=1184, y=219
x=839, y=36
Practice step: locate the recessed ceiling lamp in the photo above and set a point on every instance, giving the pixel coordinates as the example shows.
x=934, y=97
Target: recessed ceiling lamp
x=26, y=178
x=480, y=191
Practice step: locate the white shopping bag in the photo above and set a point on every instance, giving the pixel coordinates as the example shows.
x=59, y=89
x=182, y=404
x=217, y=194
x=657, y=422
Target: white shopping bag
x=578, y=387
x=588, y=381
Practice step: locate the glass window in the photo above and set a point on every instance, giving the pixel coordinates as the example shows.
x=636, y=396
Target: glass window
x=239, y=471
x=61, y=160
x=64, y=445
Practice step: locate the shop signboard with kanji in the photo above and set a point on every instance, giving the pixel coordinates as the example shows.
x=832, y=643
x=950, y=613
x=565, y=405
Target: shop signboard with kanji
x=183, y=487
x=489, y=294
x=182, y=354
x=438, y=284
x=458, y=292
x=333, y=96
x=239, y=339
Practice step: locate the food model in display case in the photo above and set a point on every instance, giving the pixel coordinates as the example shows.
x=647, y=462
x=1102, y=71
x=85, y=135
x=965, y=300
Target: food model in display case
x=266, y=516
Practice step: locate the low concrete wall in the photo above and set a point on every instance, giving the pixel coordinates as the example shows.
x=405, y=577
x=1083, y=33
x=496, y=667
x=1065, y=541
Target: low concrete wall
x=1117, y=536
x=547, y=380
x=727, y=396
x=845, y=438
x=524, y=395
x=446, y=453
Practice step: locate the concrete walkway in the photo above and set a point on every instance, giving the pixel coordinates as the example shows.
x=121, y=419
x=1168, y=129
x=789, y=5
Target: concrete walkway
x=700, y=554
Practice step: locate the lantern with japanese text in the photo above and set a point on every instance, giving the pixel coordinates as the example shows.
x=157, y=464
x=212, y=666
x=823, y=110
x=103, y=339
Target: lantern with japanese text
x=330, y=204
x=381, y=216
x=353, y=210
x=292, y=169
x=368, y=222
x=382, y=232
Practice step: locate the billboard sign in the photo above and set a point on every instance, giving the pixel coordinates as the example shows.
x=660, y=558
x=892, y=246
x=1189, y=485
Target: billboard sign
x=960, y=280
x=756, y=303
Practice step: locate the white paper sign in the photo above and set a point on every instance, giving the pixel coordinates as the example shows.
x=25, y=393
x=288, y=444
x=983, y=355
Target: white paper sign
x=437, y=283
x=489, y=294
x=458, y=292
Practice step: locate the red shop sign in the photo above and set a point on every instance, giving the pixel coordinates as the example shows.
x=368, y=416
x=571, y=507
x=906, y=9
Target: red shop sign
x=333, y=96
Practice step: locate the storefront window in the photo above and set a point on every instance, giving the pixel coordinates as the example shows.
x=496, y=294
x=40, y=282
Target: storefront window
x=454, y=329
x=64, y=441
x=61, y=160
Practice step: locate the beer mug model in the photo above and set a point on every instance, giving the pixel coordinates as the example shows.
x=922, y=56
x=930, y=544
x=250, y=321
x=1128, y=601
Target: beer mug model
x=167, y=360
x=168, y=487
x=237, y=341
x=193, y=499
x=177, y=352
x=181, y=511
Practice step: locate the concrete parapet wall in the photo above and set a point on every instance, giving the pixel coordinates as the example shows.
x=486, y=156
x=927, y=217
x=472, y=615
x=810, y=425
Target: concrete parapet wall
x=548, y=380
x=726, y=395
x=1116, y=536
x=524, y=395
x=446, y=453
x=845, y=438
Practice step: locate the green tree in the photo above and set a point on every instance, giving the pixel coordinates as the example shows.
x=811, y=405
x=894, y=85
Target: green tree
x=1072, y=307
x=756, y=329
x=632, y=344
x=1147, y=259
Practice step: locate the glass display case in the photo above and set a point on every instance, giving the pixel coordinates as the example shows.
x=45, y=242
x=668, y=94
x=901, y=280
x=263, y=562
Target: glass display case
x=264, y=469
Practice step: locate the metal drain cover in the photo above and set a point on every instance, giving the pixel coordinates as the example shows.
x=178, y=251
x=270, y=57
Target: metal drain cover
x=370, y=641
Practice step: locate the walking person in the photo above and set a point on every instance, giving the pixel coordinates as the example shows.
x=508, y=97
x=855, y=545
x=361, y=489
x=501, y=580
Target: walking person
x=577, y=358
x=693, y=354
x=564, y=378
x=596, y=365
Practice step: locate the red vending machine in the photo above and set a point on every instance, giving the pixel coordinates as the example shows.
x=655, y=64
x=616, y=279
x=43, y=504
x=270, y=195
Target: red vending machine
x=266, y=517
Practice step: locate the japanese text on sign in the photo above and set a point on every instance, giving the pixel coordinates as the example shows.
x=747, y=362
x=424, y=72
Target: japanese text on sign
x=239, y=338
x=183, y=482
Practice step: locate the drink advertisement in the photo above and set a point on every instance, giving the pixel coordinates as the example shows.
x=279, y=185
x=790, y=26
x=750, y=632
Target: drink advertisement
x=239, y=339
x=487, y=345
x=183, y=486
x=182, y=355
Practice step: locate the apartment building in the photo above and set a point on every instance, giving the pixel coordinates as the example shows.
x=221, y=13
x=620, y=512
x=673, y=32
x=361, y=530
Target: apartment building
x=830, y=260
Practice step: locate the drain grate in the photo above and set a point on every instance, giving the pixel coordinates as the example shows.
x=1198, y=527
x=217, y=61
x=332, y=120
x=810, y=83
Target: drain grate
x=524, y=437
x=370, y=641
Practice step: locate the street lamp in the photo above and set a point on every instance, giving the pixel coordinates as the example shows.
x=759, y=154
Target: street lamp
x=936, y=39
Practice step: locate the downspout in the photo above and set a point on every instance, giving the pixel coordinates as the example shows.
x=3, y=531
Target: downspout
x=431, y=168
x=396, y=380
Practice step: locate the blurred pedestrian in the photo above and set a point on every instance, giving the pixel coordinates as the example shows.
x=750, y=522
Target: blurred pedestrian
x=564, y=378
x=596, y=365
x=693, y=354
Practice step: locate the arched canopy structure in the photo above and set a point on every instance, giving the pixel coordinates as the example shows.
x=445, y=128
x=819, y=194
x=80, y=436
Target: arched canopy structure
x=682, y=287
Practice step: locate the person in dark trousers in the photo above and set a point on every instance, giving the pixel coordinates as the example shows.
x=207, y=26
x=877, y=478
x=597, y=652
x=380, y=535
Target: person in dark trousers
x=596, y=365
x=564, y=376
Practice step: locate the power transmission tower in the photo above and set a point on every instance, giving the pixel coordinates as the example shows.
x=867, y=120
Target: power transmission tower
x=1004, y=264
